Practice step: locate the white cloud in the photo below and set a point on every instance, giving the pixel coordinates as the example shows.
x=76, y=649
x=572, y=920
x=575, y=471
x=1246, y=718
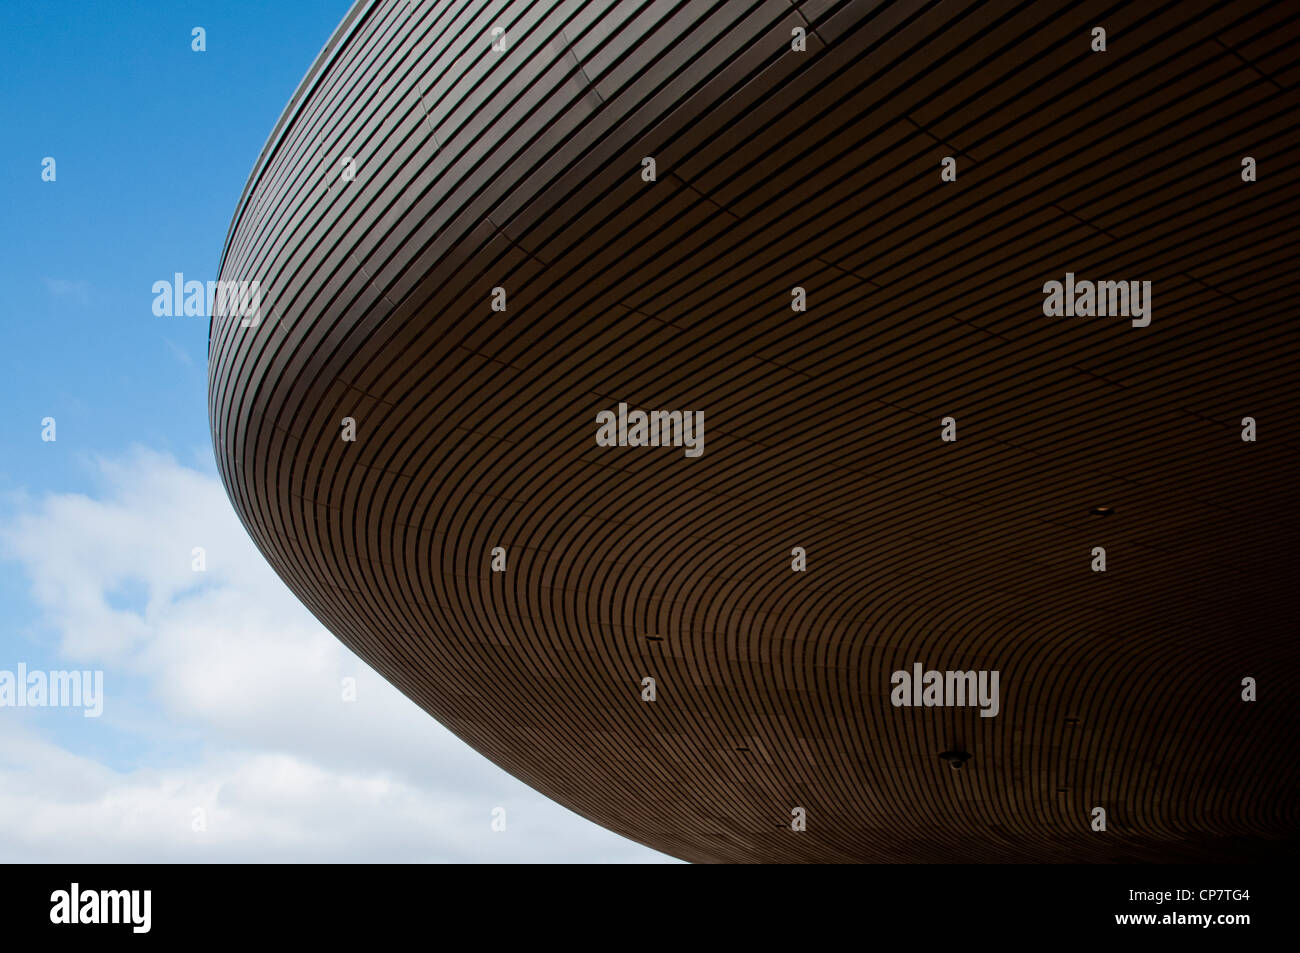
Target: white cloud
x=230, y=704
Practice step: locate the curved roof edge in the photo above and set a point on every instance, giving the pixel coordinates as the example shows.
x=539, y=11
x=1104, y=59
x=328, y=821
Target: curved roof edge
x=337, y=40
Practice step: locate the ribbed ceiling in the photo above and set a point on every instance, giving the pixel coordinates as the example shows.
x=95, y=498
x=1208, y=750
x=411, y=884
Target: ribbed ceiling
x=522, y=169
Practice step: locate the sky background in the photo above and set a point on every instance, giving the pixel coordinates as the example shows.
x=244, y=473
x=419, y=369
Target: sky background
x=222, y=692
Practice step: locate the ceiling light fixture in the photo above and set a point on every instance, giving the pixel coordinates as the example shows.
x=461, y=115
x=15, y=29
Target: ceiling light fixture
x=955, y=759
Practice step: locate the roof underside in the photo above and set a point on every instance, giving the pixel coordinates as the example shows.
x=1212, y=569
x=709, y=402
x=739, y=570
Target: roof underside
x=475, y=428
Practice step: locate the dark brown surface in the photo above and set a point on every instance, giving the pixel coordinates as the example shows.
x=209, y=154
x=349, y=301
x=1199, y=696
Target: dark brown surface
x=476, y=429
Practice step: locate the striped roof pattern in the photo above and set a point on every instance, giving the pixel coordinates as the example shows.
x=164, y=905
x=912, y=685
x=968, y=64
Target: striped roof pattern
x=521, y=168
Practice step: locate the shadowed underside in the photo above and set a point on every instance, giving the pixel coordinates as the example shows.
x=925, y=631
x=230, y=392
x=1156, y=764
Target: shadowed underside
x=522, y=170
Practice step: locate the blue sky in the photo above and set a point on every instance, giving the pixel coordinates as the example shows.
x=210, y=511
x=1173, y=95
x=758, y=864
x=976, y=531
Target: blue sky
x=213, y=682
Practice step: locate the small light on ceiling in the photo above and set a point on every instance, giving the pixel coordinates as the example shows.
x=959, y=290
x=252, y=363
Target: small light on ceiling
x=955, y=759
x=1102, y=510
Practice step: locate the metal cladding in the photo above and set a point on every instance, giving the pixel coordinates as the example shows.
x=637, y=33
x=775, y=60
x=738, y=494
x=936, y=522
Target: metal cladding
x=464, y=256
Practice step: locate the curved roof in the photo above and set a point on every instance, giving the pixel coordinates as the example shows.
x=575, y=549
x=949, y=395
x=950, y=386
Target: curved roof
x=521, y=169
